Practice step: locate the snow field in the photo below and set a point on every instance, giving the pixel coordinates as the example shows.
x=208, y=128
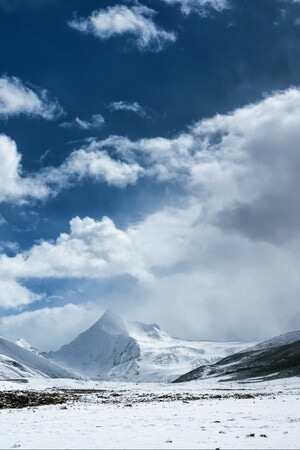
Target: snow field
x=274, y=412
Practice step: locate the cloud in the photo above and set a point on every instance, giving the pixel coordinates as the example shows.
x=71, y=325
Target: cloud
x=16, y=98
x=195, y=278
x=136, y=22
x=223, y=260
x=10, y=246
x=88, y=163
x=244, y=165
x=62, y=324
x=128, y=106
x=14, y=186
x=163, y=159
x=225, y=159
x=201, y=7
x=95, y=249
x=14, y=295
x=96, y=121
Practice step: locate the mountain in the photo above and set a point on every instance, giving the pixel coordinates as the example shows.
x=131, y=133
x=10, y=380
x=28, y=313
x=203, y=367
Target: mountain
x=113, y=349
x=24, y=344
x=19, y=363
x=276, y=358
x=277, y=341
x=100, y=348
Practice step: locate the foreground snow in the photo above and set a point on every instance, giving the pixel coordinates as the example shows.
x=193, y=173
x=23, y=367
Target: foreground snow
x=128, y=415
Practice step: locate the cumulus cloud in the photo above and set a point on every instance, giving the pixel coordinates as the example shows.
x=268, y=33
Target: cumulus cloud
x=195, y=278
x=128, y=106
x=201, y=7
x=244, y=165
x=16, y=98
x=95, y=249
x=136, y=22
x=226, y=264
x=96, y=121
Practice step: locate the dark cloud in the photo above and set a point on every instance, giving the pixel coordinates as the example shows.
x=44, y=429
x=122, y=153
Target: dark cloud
x=275, y=218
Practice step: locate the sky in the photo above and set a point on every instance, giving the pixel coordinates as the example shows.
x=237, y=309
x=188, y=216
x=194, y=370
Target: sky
x=149, y=163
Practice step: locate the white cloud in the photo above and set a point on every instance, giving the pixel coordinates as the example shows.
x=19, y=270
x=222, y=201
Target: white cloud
x=14, y=186
x=229, y=259
x=194, y=277
x=96, y=121
x=128, y=106
x=136, y=22
x=92, y=249
x=50, y=328
x=94, y=164
x=83, y=163
x=14, y=295
x=9, y=245
x=201, y=7
x=229, y=288
x=95, y=249
x=226, y=159
x=17, y=98
x=161, y=158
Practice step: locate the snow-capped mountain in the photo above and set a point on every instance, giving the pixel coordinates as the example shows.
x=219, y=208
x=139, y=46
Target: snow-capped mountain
x=17, y=363
x=278, y=357
x=277, y=341
x=115, y=349
x=24, y=344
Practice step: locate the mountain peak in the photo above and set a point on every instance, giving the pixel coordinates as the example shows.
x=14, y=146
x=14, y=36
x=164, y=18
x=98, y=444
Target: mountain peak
x=151, y=330
x=111, y=323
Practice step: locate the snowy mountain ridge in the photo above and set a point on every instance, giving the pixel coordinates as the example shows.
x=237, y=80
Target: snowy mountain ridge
x=24, y=344
x=276, y=358
x=277, y=341
x=114, y=349
x=17, y=362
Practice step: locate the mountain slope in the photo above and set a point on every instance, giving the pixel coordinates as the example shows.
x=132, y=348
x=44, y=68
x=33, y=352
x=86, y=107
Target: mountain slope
x=277, y=358
x=24, y=344
x=100, y=348
x=115, y=349
x=277, y=341
x=17, y=362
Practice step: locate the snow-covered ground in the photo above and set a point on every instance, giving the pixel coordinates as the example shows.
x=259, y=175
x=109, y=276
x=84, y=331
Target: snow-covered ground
x=203, y=414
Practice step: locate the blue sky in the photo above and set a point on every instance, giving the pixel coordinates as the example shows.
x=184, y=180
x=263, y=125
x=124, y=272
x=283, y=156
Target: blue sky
x=149, y=163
